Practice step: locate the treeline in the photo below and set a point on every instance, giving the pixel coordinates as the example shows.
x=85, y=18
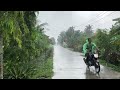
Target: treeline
x=74, y=38
x=52, y=40
x=27, y=51
x=108, y=41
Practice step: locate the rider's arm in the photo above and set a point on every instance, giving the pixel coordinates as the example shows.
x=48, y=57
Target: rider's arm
x=85, y=48
x=95, y=47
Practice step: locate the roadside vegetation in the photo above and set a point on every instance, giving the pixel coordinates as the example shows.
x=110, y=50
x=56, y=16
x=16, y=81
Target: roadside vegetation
x=26, y=52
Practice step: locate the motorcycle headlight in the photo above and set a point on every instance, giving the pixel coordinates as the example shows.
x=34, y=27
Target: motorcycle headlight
x=96, y=55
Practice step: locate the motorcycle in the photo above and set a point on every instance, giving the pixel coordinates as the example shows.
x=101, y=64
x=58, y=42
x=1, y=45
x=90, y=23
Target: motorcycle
x=94, y=62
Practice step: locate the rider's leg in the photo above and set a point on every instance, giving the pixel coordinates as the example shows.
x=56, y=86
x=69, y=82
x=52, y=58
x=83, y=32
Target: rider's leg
x=87, y=57
x=91, y=58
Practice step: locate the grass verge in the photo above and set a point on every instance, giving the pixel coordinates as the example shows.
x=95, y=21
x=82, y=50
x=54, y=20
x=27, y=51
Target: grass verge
x=46, y=70
x=113, y=67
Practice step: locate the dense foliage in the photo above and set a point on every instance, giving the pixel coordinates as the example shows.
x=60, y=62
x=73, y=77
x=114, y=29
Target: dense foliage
x=26, y=47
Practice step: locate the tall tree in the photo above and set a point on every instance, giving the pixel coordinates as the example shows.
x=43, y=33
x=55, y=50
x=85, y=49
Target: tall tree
x=88, y=31
x=52, y=40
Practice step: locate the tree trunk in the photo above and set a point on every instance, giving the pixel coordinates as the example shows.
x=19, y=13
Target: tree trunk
x=1, y=57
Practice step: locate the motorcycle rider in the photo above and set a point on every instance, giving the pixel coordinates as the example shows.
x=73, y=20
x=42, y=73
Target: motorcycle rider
x=89, y=46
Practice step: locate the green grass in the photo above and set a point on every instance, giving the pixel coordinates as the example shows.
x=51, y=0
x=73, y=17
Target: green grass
x=113, y=67
x=46, y=70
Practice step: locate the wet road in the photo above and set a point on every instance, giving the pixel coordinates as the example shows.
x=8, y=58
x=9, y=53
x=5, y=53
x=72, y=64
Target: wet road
x=70, y=65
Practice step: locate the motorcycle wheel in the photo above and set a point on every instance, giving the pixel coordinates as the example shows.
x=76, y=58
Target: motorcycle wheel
x=97, y=67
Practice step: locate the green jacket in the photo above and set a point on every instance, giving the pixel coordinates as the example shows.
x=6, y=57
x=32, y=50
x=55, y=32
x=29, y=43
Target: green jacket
x=91, y=46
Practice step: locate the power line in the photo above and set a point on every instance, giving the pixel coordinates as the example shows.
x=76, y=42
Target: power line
x=99, y=15
x=107, y=21
x=102, y=18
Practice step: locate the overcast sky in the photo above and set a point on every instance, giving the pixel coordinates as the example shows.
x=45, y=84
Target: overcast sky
x=61, y=20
